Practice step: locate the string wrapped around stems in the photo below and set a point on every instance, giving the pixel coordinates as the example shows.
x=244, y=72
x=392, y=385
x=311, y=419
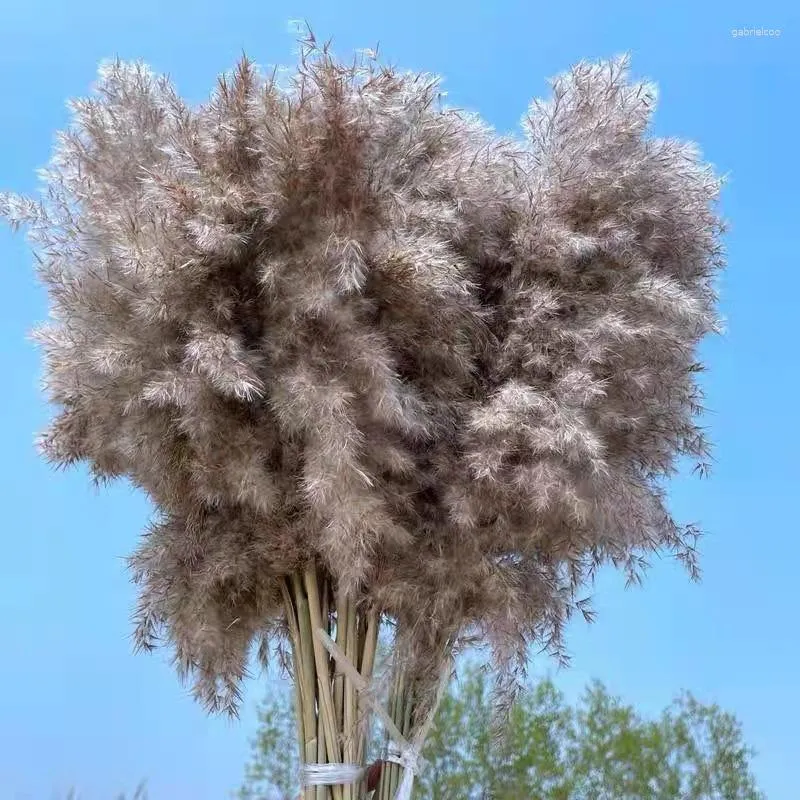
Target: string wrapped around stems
x=407, y=754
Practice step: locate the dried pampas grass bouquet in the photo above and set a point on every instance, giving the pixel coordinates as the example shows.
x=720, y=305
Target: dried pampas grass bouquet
x=373, y=363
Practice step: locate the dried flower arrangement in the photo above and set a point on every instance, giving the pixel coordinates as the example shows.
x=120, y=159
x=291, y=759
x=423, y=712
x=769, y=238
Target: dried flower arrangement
x=373, y=362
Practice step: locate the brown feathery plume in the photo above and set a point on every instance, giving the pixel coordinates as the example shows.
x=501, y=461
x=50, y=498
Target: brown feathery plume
x=372, y=361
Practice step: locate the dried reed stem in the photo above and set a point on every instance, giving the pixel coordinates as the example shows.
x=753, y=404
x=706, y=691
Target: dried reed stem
x=366, y=667
x=329, y=728
x=304, y=677
x=390, y=775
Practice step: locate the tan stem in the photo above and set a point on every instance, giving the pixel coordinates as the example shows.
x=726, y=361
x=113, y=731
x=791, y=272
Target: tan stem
x=329, y=728
x=305, y=679
x=367, y=666
x=342, y=614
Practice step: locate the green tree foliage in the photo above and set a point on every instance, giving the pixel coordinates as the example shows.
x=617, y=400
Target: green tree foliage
x=599, y=748
x=273, y=770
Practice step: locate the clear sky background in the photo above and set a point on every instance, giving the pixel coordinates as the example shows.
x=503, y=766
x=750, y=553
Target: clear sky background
x=77, y=708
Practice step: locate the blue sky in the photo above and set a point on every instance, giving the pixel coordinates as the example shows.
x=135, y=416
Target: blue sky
x=79, y=709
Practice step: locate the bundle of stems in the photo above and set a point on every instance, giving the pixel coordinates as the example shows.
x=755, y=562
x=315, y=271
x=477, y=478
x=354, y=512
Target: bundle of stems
x=330, y=727
x=401, y=707
x=371, y=360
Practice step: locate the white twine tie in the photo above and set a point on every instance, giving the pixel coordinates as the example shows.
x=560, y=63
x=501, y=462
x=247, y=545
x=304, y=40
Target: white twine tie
x=401, y=751
x=331, y=774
